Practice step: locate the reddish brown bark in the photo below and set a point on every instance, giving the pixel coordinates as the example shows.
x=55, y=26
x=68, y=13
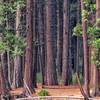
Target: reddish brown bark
x=65, y=43
x=86, y=52
x=29, y=48
x=59, y=35
x=17, y=76
x=51, y=77
x=98, y=25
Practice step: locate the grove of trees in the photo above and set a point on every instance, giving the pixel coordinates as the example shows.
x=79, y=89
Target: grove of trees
x=52, y=42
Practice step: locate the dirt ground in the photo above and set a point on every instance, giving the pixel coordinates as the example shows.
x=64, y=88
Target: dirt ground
x=56, y=91
x=61, y=90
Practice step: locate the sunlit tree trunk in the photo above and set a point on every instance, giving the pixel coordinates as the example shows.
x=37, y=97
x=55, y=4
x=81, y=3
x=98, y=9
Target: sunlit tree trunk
x=86, y=52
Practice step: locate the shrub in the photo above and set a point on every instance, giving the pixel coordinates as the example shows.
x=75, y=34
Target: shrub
x=43, y=92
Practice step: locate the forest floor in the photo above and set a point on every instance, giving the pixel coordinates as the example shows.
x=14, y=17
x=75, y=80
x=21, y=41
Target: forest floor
x=53, y=90
x=56, y=91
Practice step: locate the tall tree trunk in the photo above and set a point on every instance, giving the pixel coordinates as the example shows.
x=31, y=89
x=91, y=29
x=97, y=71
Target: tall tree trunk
x=17, y=79
x=65, y=63
x=86, y=55
x=4, y=82
x=98, y=25
x=3, y=89
x=35, y=48
x=93, y=66
x=94, y=52
x=59, y=35
x=29, y=48
x=42, y=37
x=78, y=38
x=51, y=66
x=5, y=69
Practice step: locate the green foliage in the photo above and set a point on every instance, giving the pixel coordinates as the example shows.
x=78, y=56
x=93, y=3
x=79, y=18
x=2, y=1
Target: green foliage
x=3, y=47
x=87, y=1
x=96, y=43
x=11, y=43
x=92, y=29
x=21, y=3
x=77, y=30
x=98, y=64
x=93, y=7
x=10, y=7
x=97, y=21
x=85, y=14
x=43, y=92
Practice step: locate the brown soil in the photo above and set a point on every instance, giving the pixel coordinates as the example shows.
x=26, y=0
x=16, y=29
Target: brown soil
x=54, y=91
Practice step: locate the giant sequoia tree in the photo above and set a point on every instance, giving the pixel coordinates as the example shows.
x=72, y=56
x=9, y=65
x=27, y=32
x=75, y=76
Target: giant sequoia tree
x=65, y=63
x=51, y=77
x=29, y=52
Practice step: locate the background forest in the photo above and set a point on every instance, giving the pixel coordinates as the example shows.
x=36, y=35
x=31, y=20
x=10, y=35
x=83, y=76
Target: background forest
x=52, y=42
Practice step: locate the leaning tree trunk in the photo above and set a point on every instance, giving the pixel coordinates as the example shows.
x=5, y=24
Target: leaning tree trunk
x=50, y=65
x=29, y=48
x=85, y=50
x=65, y=63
